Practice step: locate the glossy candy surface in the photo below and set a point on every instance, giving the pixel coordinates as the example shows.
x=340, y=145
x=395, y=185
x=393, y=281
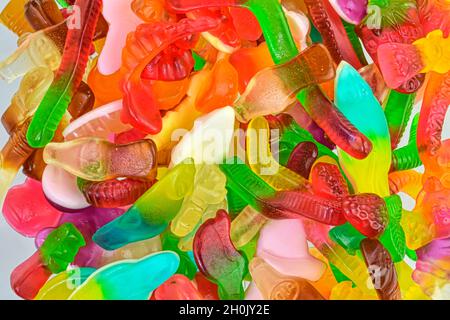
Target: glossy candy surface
x=228, y=149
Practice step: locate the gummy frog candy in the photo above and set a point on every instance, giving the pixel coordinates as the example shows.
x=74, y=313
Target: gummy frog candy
x=98, y=160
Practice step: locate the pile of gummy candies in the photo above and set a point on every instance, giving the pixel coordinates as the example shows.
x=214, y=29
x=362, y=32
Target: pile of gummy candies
x=229, y=149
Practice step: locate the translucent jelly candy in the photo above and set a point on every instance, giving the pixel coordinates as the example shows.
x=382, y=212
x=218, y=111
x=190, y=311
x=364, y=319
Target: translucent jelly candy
x=273, y=89
x=115, y=11
x=302, y=158
x=55, y=254
x=333, y=184
x=220, y=90
x=208, y=189
x=381, y=267
x=29, y=217
x=13, y=17
x=137, y=110
x=246, y=226
x=368, y=174
x=263, y=163
x=350, y=10
x=70, y=73
x=130, y=279
x=100, y=122
x=25, y=101
x=177, y=287
x=217, y=258
x=424, y=55
x=367, y=213
x=35, y=50
x=275, y=286
x=282, y=244
x=209, y=140
x=114, y=193
x=334, y=36
x=98, y=160
x=430, y=274
x=152, y=212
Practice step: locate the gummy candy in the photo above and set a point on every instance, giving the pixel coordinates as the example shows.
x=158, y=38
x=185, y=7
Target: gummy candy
x=131, y=279
x=217, y=258
x=70, y=72
x=55, y=254
x=228, y=149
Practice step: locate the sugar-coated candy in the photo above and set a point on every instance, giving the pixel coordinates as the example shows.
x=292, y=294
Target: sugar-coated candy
x=229, y=149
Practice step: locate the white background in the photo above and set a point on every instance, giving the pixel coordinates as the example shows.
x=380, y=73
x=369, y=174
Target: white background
x=15, y=248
